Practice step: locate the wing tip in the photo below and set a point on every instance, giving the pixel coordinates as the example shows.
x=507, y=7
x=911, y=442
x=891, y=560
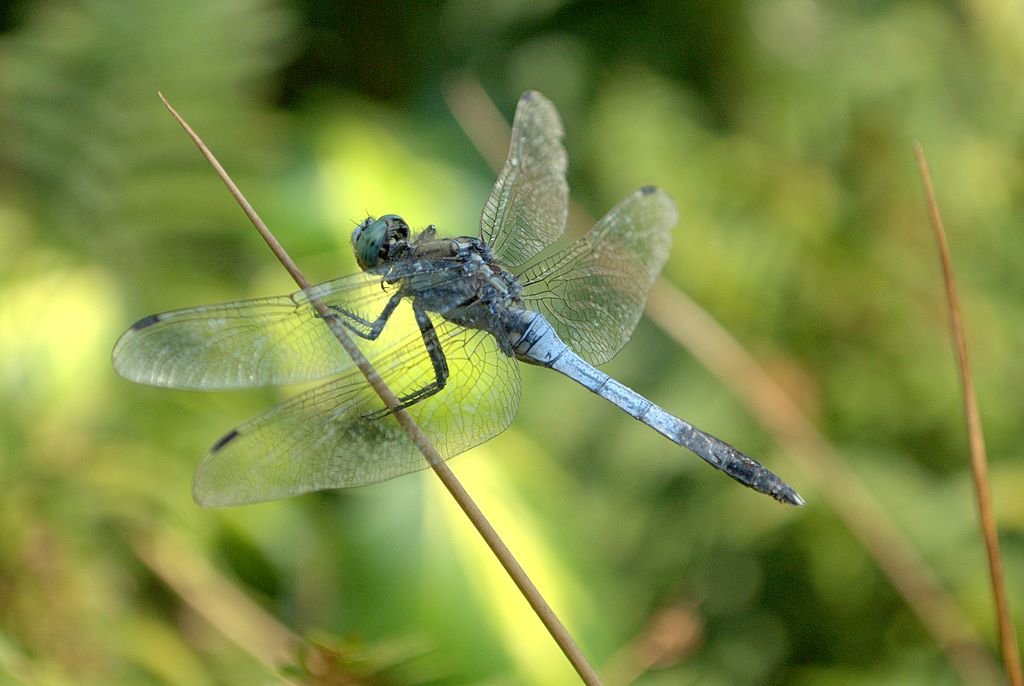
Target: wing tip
x=649, y=190
x=224, y=440
x=537, y=101
x=211, y=499
x=145, y=322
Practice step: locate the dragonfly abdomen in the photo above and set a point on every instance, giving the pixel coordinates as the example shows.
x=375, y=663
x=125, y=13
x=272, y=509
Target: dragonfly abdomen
x=539, y=344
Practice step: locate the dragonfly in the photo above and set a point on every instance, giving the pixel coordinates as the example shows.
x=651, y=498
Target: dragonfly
x=445, y=322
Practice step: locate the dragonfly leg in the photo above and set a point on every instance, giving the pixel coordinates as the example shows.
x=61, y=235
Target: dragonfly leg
x=437, y=360
x=370, y=330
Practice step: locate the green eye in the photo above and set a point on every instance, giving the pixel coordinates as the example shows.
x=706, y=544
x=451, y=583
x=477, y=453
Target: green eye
x=369, y=237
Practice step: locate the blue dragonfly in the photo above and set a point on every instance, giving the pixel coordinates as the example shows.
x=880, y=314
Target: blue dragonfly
x=445, y=321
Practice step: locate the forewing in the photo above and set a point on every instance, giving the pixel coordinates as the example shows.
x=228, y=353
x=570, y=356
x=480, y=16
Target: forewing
x=260, y=342
x=528, y=205
x=593, y=292
x=326, y=437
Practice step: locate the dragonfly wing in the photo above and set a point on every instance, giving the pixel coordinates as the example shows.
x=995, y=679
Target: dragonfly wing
x=528, y=205
x=259, y=342
x=593, y=292
x=333, y=436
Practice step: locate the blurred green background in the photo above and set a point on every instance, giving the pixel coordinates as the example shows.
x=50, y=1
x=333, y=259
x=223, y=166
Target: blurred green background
x=783, y=129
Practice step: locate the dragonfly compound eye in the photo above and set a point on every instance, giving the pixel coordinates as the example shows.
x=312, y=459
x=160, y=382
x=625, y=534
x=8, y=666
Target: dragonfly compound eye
x=372, y=239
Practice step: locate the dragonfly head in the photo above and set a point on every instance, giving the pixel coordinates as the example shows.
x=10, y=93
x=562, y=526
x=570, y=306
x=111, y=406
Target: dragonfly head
x=374, y=239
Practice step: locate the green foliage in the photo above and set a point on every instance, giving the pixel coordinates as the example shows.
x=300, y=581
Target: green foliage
x=783, y=131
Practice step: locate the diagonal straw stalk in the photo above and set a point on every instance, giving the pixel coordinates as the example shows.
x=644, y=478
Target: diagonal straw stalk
x=214, y=598
x=515, y=571
x=975, y=437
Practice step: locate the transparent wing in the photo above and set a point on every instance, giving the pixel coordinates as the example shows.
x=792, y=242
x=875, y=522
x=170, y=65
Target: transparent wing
x=260, y=342
x=593, y=292
x=325, y=438
x=528, y=205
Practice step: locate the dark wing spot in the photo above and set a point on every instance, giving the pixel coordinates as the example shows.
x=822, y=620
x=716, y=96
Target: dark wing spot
x=647, y=190
x=145, y=321
x=227, y=438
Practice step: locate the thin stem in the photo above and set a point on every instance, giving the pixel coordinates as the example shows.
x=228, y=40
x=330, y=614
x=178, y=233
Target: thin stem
x=975, y=437
x=515, y=571
x=215, y=598
x=672, y=633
